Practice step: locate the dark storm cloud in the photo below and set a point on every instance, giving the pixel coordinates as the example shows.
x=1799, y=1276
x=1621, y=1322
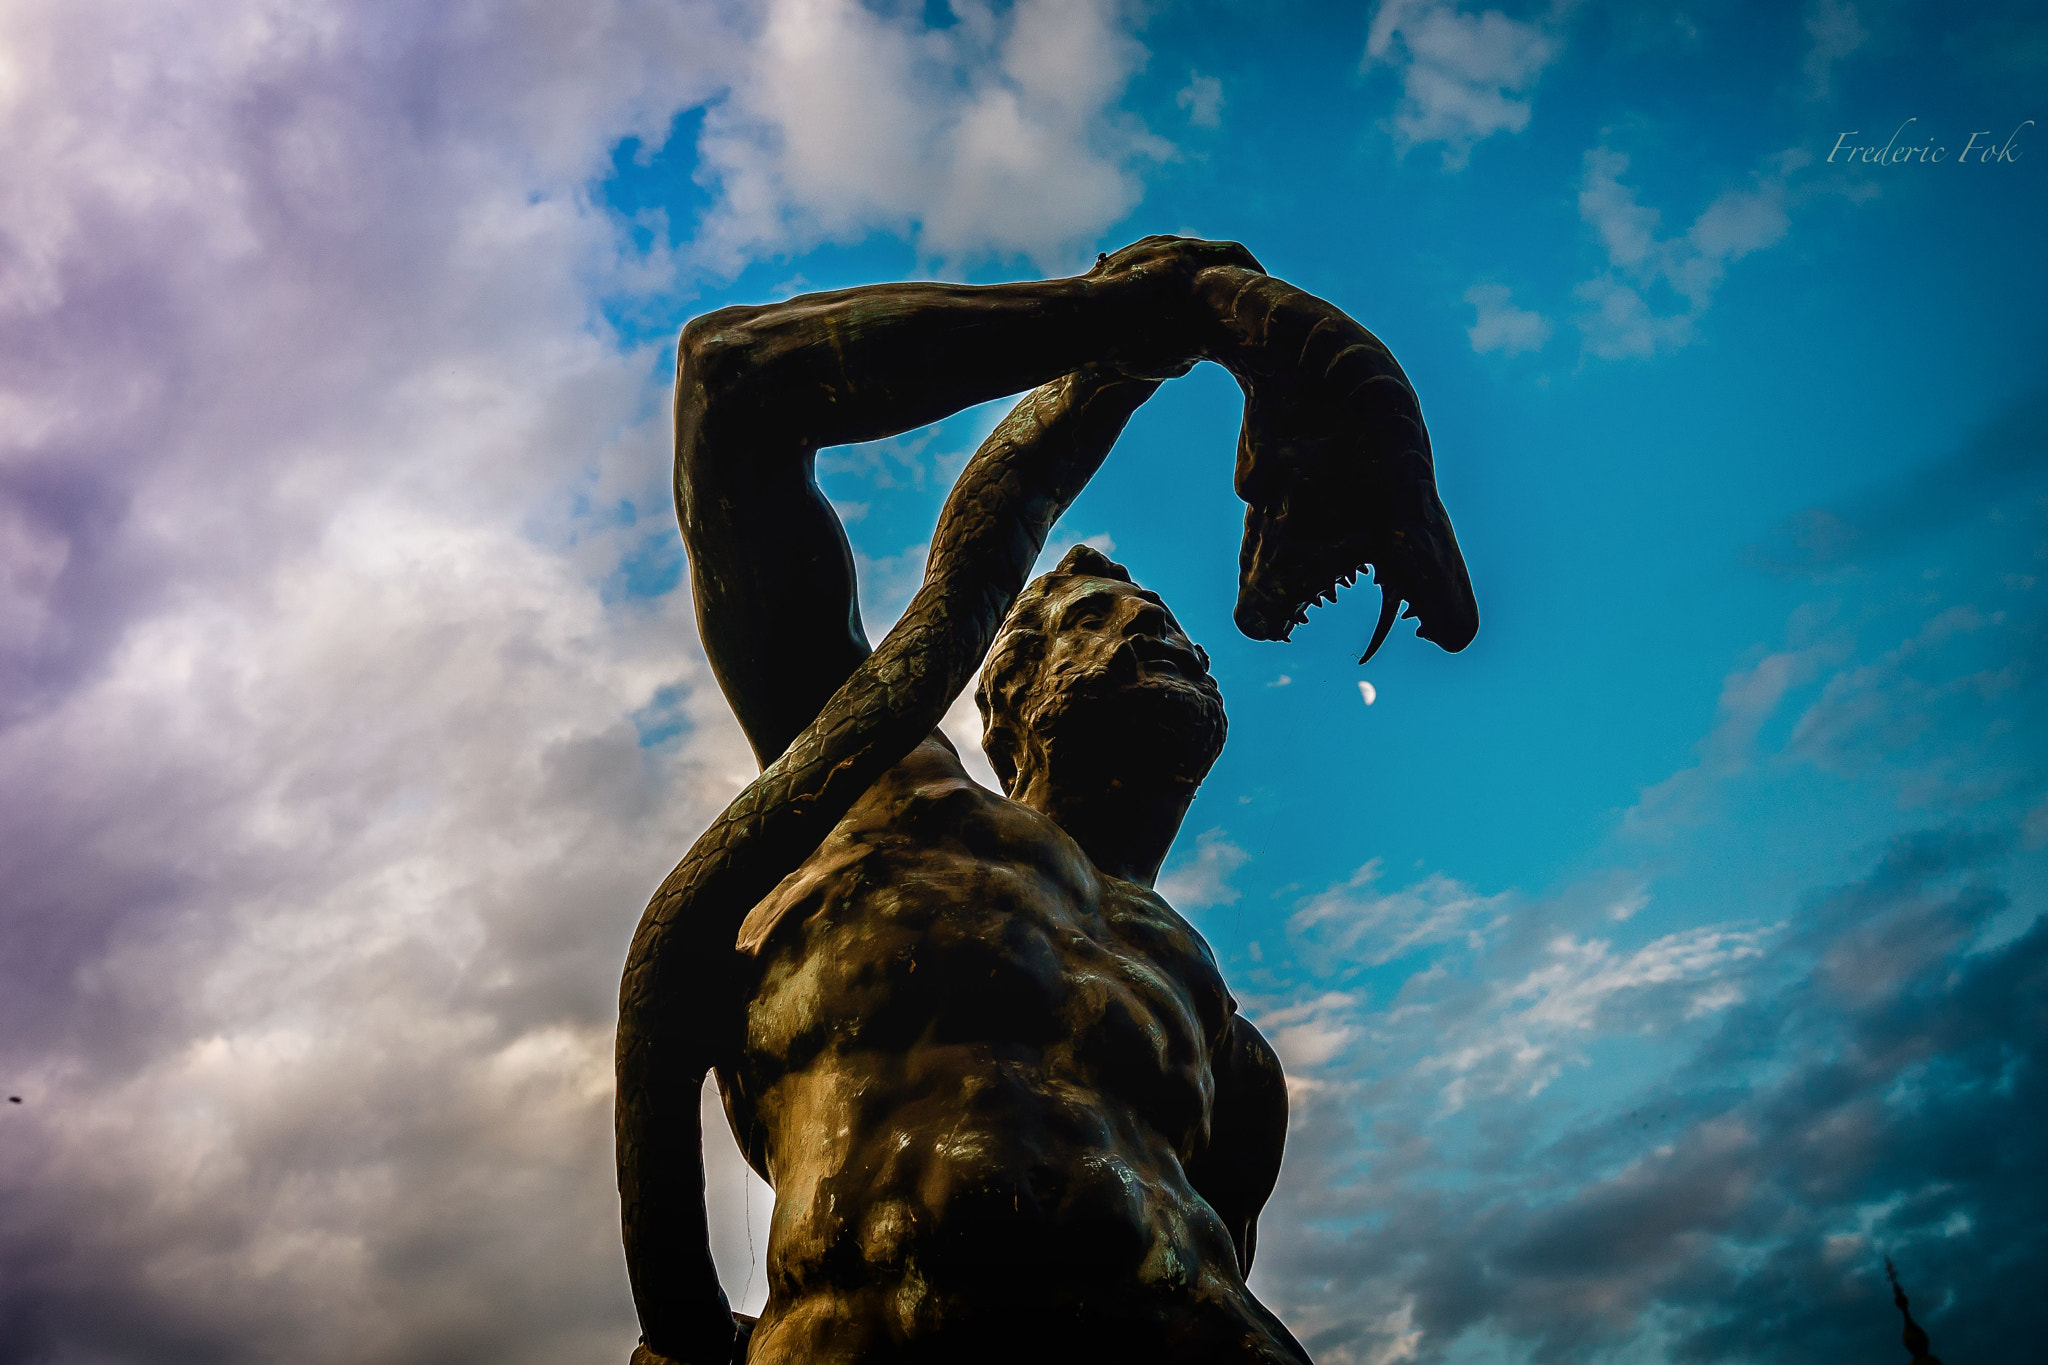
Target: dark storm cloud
x=1746, y=1220
x=2006, y=455
x=70, y=516
x=1842, y=1075
x=1904, y=1128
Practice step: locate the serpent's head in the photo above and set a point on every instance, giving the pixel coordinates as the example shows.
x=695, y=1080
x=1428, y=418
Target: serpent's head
x=1337, y=480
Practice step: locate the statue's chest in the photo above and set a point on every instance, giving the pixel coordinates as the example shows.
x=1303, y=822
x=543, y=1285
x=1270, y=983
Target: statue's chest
x=944, y=916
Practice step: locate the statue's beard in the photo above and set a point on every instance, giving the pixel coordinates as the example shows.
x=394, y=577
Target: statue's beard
x=1137, y=732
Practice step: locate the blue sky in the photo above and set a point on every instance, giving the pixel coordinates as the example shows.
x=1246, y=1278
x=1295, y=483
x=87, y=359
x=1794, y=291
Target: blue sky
x=1646, y=973
x=1675, y=737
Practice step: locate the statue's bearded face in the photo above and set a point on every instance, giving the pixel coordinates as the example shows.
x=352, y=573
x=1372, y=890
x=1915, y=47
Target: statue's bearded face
x=1093, y=680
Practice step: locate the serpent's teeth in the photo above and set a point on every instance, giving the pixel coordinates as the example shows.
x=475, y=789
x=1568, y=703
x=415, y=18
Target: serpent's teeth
x=1388, y=603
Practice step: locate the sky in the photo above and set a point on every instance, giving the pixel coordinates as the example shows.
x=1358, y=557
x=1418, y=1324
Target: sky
x=1645, y=974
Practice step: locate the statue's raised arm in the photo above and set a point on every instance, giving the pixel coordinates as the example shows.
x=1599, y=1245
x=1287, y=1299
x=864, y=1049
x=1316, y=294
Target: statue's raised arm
x=1335, y=466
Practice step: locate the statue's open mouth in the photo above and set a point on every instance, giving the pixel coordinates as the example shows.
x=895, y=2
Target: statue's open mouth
x=1294, y=559
x=1159, y=654
x=1333, y=463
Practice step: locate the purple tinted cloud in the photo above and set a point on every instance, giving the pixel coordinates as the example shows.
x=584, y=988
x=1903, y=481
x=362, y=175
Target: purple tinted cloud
x=327, y=816
x=335, y=775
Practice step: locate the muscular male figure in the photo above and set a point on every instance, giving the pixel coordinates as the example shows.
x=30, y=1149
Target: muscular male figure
x=1005, y=1100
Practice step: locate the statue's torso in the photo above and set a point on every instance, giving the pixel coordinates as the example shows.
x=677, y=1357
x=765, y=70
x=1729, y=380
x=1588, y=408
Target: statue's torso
x=974, y=1069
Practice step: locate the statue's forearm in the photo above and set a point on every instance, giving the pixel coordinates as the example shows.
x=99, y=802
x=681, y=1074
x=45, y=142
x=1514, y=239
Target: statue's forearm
x=991, y=531
x=673, y=1010
x=760, y=389
x=861, y=364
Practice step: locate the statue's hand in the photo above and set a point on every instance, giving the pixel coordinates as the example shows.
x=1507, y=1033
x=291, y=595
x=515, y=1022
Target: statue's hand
x=1334, y=465
x=1178, y=326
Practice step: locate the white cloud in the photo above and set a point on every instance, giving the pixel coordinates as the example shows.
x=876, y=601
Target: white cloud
x=998, y=134
x=1626, y=229
x=1464, y=76
x=1943, y=722
x=962, y=724
x=1619, y=322
x=1202, y=97
x=1619, y=325
x=1537, y=1024
x=1836, y=31
x=1750, y=696
x=1500, y=326
x=329, y=808
x=1398, y=1338
x=1357, y=922
x=1500, y=996
x=1583, y=976
x=1204, y=880
x=1056, y=549
x=1312, y=1033
x=887, y=583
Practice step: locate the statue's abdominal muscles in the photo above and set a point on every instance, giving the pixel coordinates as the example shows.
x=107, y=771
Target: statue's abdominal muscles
x=970, y=1061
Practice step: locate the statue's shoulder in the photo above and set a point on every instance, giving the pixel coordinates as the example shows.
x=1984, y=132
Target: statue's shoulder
x=921, y=823
x=928, y=802
x=1141, y=912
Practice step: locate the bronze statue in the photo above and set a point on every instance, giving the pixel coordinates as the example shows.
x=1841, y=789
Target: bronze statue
x=1004, y=1098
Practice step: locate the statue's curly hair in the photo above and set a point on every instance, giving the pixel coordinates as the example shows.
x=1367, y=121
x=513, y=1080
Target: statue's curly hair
x=1012, y=664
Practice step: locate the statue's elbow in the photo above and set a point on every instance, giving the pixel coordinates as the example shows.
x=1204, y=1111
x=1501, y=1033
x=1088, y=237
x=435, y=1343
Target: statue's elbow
x=716, y=354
